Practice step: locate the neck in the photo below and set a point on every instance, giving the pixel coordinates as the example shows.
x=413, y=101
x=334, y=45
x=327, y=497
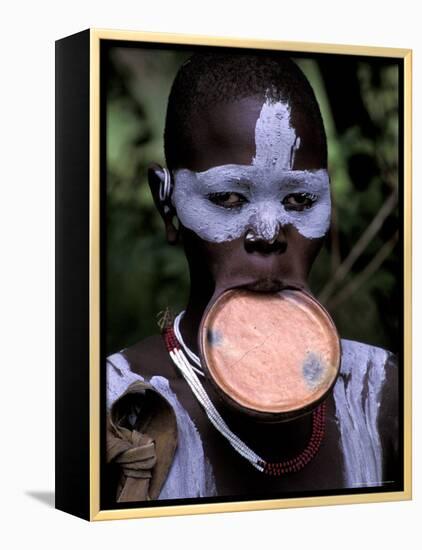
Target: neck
x=199, y=297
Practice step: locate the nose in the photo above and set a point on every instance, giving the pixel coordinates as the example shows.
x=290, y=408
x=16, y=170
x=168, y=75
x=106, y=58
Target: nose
x=276, y=244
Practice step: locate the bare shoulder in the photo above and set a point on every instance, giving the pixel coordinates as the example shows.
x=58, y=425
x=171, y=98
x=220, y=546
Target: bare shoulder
x=373, y=367
x=149, y=357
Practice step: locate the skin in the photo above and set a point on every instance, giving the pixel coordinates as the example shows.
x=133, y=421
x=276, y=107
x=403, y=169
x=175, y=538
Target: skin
x=226, y=135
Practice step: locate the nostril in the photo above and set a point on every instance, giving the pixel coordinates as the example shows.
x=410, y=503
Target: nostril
x=265, y=247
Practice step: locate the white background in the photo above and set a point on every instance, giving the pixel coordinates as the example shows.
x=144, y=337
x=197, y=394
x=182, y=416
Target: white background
x=28, y=31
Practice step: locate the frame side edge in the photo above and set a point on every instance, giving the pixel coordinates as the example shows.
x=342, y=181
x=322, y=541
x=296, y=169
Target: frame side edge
x=72, y=308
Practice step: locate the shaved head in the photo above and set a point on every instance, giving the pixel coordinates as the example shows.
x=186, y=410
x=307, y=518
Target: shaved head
x=208, y=83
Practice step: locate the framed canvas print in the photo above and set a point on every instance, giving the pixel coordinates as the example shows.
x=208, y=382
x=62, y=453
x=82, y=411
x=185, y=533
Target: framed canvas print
x=233, y=274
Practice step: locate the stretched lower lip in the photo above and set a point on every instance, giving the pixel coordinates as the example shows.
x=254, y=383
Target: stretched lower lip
x=265, y=285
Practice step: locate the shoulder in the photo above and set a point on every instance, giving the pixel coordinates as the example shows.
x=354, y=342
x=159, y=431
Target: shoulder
x=369, y=367
x=359, y=357
x=149, y=357
x=367, y=399
x=369, y=377
x=142, y=361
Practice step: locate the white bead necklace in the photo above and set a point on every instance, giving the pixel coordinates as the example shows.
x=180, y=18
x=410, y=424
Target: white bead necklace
x=189, y=373
x=188, y=351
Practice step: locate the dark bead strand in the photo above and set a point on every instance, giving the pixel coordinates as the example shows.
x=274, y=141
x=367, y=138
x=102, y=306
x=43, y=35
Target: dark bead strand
x=300, y=461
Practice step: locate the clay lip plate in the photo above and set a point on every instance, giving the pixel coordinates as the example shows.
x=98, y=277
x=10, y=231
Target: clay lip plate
x=270, y=352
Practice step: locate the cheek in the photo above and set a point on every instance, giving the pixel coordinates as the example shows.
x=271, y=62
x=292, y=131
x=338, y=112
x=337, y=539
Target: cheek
x=314, y=222
x=222, y=261
x=209, y=222
x=303, y=250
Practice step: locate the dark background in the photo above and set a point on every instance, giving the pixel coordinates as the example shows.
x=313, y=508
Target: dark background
x=357, y=276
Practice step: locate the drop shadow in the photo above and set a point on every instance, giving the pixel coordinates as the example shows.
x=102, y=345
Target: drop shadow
x=45, y=497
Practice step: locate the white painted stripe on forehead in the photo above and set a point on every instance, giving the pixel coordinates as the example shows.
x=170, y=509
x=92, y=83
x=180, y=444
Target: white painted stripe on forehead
x=275, y=139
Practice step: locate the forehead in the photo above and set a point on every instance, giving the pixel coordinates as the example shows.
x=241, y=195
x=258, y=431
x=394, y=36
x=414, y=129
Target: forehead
x=228, y=133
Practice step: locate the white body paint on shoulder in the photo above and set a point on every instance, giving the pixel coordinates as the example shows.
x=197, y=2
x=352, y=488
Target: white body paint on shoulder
x=264, y=183
x=190, y=474
x=357, y=395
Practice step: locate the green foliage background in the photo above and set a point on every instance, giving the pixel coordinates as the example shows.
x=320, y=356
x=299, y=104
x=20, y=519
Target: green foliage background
x=359, y=101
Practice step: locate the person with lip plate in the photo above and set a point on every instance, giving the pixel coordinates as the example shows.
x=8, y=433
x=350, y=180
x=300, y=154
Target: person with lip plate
x=249, y=392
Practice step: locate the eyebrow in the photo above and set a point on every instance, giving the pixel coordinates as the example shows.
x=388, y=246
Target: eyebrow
x=210, y=182
x=238, y=179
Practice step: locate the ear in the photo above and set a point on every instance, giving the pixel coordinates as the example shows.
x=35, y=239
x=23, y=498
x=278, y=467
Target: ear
x=165, y=208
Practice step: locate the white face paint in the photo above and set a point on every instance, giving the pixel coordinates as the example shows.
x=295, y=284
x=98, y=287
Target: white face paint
x=265, y=187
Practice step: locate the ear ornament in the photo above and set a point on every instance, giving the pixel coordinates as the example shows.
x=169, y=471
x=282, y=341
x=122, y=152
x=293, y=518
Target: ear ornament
x=165, y=186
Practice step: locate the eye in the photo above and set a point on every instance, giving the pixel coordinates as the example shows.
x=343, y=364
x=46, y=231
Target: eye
x=227, y=200
x=299, y=201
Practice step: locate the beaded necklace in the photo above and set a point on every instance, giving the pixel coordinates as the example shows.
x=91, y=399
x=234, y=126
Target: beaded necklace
x=179, y=351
